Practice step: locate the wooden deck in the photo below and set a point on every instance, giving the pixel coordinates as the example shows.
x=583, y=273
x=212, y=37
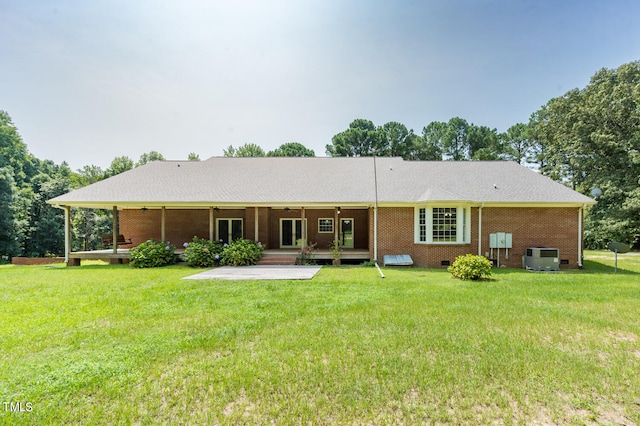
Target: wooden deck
x=123, y=255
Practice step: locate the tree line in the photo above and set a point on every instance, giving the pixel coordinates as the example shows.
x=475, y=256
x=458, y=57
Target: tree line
x=587, y=138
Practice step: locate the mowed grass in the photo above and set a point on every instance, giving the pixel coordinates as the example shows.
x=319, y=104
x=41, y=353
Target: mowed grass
x=109, y=344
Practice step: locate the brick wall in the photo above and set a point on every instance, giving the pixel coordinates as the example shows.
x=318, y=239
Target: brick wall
x=181, y=225
x=531, y=227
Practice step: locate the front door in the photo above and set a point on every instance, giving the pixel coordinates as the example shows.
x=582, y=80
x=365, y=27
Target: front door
x=290, y=232
x=346, y=232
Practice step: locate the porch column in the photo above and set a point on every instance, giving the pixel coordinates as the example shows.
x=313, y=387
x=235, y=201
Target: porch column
x=304, y=228
x=162, y=221
x=335, y=223
x=580, y=213
x=67, y=233
x=255, y=233
x=375, y=232
x=115, y=229
x=211, y=223
x=480, y=229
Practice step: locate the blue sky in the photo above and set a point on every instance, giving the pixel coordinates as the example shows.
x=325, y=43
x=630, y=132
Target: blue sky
x=87, y=81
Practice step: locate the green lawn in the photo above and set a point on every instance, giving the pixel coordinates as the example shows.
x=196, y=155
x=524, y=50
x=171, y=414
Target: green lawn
x=105, y=344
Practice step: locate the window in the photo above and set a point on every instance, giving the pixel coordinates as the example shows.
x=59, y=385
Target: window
x=325, y=225
x=442, y=225
x=229, y=229
x=445, y=225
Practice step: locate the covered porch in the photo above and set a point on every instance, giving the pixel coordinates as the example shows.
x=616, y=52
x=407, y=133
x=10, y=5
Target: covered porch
x=282, y=229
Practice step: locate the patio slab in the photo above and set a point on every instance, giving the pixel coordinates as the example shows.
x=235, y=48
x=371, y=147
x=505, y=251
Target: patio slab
x=257, y=272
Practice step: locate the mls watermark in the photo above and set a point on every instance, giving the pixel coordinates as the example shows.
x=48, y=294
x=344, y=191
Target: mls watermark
x=18, y=407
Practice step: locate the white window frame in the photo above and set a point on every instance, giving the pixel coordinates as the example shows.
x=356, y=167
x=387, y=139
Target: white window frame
x=230, y=227
x=320, y=231
x=463, y=224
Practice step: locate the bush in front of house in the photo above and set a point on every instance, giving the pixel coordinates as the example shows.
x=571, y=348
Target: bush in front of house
x=201, y=253
x=241, y=253
x=152, y=254
x=470, y=267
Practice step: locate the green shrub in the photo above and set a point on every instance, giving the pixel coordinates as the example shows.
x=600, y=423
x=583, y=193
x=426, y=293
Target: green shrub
x=241, y=253
x=152, y=254
x=470, y=267
x=201, y=253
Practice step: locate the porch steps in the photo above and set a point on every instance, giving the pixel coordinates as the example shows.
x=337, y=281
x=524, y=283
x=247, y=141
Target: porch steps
x=277, y=259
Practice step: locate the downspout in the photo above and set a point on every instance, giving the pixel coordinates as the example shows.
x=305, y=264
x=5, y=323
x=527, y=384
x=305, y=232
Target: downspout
x=580, y=214
x=480, y=229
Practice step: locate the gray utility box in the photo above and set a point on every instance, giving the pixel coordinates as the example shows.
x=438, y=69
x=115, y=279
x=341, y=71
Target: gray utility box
x=542, y=259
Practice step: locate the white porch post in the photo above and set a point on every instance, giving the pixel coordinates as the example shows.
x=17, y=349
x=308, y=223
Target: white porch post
x=115, y=229
x=67, y=233
x=255, y=233
x=335, y=224
x=211, y=223
x=304, y=228
x=480, y=230
x=162, y=224
x=580, y=213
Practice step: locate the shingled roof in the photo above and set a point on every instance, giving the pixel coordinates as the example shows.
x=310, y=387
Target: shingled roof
x=279, y=181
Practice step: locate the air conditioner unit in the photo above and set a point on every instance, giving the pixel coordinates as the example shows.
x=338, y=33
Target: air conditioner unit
x=542, y=259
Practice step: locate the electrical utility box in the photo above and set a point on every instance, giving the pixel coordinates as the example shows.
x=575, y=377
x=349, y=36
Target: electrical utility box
x=500, y=240
x=542, y=259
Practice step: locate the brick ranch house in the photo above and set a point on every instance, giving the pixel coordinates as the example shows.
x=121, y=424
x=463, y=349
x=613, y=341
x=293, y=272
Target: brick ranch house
x=432, y=211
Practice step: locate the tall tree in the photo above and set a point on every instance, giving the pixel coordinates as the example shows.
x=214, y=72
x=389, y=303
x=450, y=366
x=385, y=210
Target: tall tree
x=149, y=157
x=246, y=150
x=9, y=246
x=456, y=140
x=433, y=136
x=119, y=165
x=396, y=140
x=362, y=138
x=517, y=143
x=591, y=138
x=484, y=143
x=291, y=149
x=193, y=157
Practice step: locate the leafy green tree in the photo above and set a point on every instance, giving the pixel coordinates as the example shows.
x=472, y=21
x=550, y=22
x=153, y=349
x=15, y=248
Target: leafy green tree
x=456, y=140
x=291, y=149
x=517, y=143
x=433, y=140
x=484, y=143
x=193, y=157
x=45, y=234
x=88, y=175
x=246, y=150
x=591, y=138
x=149, y=157
x=396, y=140
x=362, y=138
x=9, y=246
x=119, y=165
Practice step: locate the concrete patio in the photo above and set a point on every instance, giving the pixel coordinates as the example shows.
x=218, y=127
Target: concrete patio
x=258, y=272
